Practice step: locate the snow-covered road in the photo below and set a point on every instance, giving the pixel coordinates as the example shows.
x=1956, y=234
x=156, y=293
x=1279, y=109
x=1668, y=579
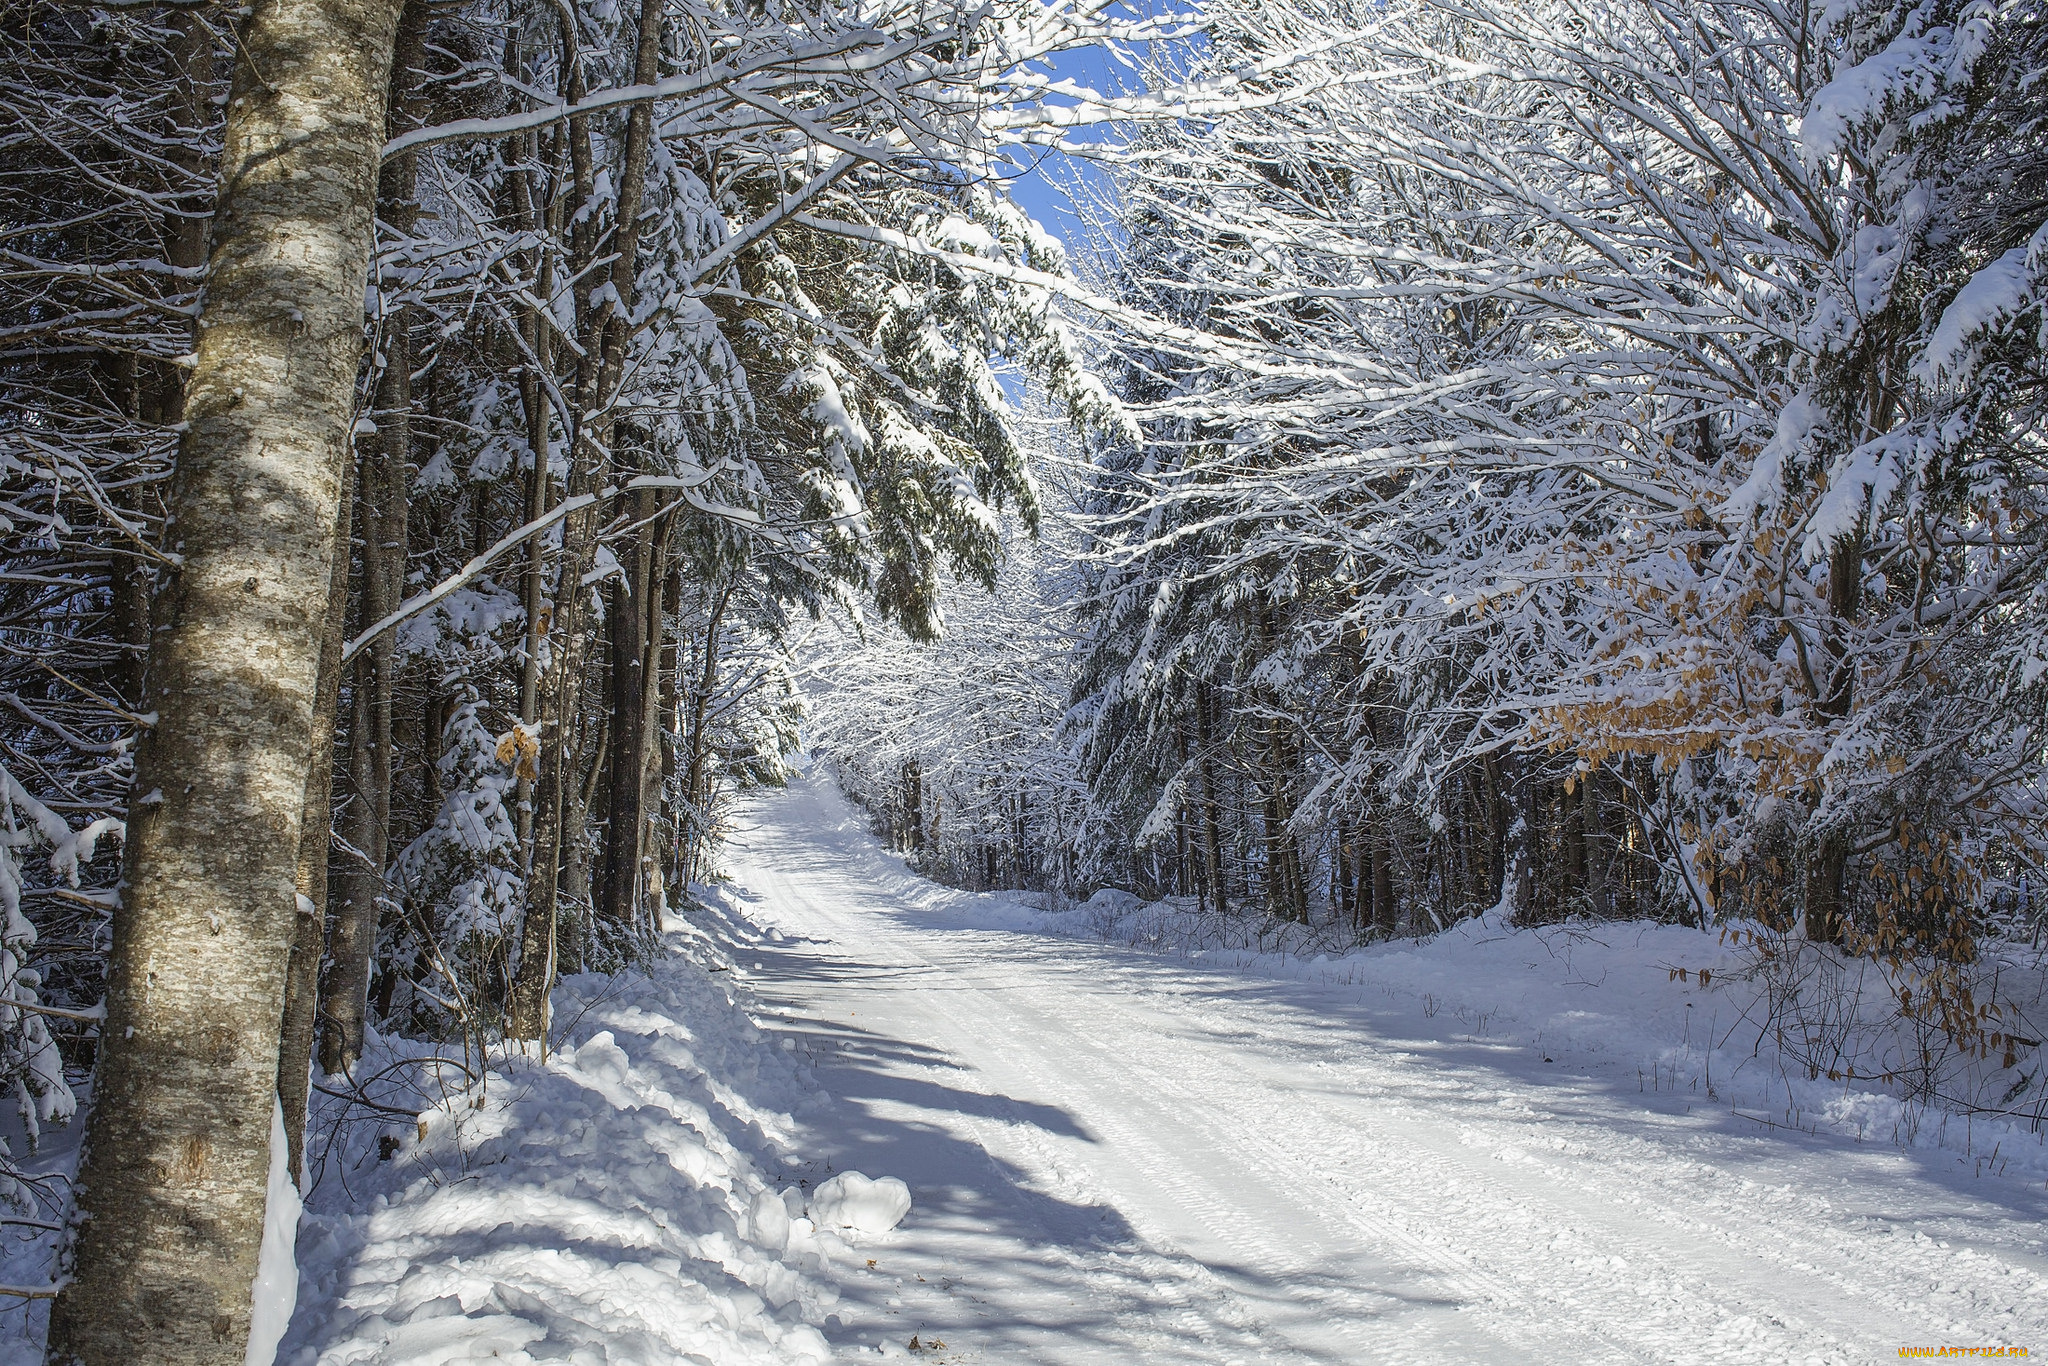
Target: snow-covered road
x=1118, y=1157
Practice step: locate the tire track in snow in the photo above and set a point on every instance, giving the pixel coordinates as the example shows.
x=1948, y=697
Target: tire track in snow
x=1501, y=1233
x=1643, y=1178
x=1247, y=1132
x=1239, y=1225
x=1144, y=1274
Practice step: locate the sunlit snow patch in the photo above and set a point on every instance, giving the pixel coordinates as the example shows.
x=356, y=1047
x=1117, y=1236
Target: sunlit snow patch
x=622, y=1203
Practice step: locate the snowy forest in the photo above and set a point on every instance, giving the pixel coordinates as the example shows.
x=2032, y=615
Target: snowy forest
x=1539, y=462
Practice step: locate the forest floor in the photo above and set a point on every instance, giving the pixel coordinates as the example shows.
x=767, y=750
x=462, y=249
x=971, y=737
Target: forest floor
x=1127, y=1156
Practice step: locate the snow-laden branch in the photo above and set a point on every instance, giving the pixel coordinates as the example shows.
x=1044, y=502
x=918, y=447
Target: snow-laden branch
x=1157, y=332
x=687, y=485
x=819, y=59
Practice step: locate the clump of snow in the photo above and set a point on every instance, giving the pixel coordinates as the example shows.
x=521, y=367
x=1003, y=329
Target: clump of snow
x=958, y=234
x=623, y=1201
x=477, y=610
x=851, y=1200
x=276, y=1292
x=2003, y=289
x=1765, y=484
x=1912, y=66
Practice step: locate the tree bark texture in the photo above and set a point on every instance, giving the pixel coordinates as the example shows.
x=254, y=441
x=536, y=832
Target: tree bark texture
x=635, y=623
x=172, y=1190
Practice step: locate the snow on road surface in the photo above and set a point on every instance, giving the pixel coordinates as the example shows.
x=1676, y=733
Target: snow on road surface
x=1117, y=1157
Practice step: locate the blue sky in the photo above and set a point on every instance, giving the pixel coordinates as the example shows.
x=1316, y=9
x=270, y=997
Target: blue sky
x=1043, y=189
x=1043, y=186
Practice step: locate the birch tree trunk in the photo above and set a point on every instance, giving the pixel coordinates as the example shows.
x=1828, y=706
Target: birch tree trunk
x=172, y=1191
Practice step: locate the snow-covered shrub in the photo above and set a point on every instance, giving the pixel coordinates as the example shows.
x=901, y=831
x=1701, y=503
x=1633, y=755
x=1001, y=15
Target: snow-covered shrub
x=461, y=880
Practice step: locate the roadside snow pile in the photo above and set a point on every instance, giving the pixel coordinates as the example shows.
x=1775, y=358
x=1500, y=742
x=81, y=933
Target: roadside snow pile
x=618, y=1204
x=1178, y=923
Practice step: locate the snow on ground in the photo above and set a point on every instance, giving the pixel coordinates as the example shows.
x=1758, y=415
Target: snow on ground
x=28, y=1245
x=1695, y=1014
x=1497, y=1146
x=638, y=1198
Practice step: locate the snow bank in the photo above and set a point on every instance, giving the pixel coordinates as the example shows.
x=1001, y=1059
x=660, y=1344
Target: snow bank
x=1684, y=1010
x=28, y=1254
x=276, y=1292
x=622, y=1203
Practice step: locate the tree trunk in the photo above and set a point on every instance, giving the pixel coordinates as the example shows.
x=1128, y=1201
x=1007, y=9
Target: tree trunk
x=1212, y=830
x=1826, y=874
x=367, y=823
x=1386, y=914
x=631, y=638
x=653, y=603
x=554, y=827
x=1828, y=865
x=572, y=952
x=539, y=482
x=1343, y=876
x=359, y=881
x=697, y=743
x=599, y=374
x=1498, y=776
x=1592, y=817
x=316, y=835
x=913, y=806
x=668, y=684
x=626, y=828
x=562, y=687
x=1286, y=897
x=172, y=1191
x=1570, y=820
